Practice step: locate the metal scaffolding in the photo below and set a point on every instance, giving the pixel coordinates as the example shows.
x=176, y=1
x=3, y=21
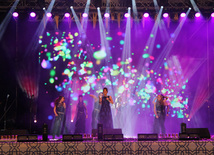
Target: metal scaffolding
x=116, y=6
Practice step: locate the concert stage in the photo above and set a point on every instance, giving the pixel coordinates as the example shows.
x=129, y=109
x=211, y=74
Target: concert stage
x=128, y=146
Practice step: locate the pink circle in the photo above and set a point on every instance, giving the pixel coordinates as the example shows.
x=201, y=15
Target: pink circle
x=33, y=14
x=85, y=15
x=15, y=14
x=183, y=14
x=67, y=15
x=127, y=15
x=197, y=14
x=48, y=14
x=106, y=15
x=165, y=15
x=146, y=15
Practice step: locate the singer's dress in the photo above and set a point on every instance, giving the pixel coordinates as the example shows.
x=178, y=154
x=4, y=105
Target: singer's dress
x=95, y=115
x=80, y=122
x=105, y=116
x=159, y=122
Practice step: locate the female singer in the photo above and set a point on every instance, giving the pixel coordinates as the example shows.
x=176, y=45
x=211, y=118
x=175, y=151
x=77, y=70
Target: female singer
x=82, y=114
x=96, y=110
x=160, y=105
x=105, y=116
x=59, y=111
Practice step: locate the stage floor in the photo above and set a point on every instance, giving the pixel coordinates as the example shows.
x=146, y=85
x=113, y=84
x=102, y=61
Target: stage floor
x=128, y=146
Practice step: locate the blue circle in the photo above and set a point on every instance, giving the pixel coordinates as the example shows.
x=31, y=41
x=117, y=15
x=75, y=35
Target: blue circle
x=50, y=117
x=158, y=46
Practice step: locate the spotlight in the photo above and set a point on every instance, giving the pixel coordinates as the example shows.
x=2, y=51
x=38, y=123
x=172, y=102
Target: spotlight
x=165, y=15
x=98, y=3
x=190, y=8
x=127, y=15
x=71, y=7
x=33, y=14
x=15, y=14
x=70, y=3
x=67, y=15
x=34, y=119
x=197, y=14
x=98, y=8
x=183, y=14
x=212, y=15
x=41, y=3
x=85, y=15
x=146, y=15
x=162, y=7
x=48, y=14
x=106, y=15
x=129, y=8
x=44, y=8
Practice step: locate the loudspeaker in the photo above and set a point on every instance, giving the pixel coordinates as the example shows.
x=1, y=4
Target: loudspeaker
x=113, y=137
x=32, y=138
x=75, y=137
x=45, y=132
x=100, y=131
x=27, y=138
x=202, y=132
x=188, y=136
x=14, y=132
x=183, y=128
x=107, y=131
x=142, y=137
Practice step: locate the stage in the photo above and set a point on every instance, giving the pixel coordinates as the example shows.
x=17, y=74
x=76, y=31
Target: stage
x=128, y=146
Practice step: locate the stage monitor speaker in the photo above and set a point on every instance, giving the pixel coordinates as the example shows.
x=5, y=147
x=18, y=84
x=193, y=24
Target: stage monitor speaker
x=113, y=137
x=45, y=132
x=188, y=136
x=183, y=128
x=27, y=138
x=74, y=137
x=147, y=137
x=100, y=131
x=202, y=132
x=107, y=131
x=14, y=132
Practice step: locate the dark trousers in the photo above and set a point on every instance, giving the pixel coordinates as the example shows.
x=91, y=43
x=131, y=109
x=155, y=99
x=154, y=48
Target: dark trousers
x=159, y=123
x=58, y=125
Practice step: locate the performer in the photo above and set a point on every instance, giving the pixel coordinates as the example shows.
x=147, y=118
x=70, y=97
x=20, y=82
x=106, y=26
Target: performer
x=120, y=106
x=82, y=114
x=105, y=116
x=160, y=105
x=59, y=111
x=96, y=110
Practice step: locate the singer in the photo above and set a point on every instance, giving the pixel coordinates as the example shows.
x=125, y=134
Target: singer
x=59, y=111
x=82, y=114
x=160, y=105
x=105, y=116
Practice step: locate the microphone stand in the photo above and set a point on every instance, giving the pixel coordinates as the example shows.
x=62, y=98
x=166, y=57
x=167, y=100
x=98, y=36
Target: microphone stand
x=5, y=116
x=31, y=106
